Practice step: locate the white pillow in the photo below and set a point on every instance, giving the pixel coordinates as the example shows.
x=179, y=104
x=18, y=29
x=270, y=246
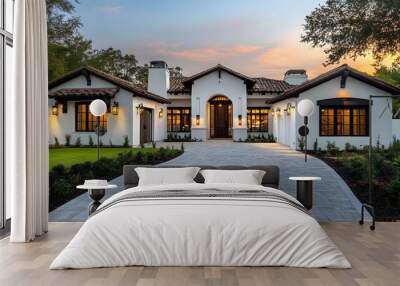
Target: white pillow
x=248, y=177
x=166, y=176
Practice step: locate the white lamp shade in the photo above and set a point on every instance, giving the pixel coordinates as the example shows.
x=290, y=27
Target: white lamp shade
x=305, y=107
x=98, y=107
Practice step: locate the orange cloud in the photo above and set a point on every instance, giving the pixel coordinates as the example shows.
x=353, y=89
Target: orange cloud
x=292, y=54
x=209, y=53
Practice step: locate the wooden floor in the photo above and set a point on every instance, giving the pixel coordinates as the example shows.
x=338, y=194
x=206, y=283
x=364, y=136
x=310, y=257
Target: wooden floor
x=375, y=257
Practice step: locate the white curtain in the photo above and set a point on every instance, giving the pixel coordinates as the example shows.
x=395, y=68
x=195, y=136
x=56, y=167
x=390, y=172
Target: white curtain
x=28, y=123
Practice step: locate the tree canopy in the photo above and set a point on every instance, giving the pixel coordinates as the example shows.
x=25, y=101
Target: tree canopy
x=353, y=28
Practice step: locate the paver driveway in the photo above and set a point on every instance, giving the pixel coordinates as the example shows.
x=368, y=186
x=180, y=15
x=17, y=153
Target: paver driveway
x=333, y=200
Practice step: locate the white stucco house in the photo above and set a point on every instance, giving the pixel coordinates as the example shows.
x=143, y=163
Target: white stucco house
x=222, y=103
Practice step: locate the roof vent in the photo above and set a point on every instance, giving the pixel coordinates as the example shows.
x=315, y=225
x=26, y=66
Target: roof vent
x=295, y=77
x=158, y=64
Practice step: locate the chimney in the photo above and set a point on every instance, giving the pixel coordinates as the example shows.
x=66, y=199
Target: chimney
x=158, y=81
x=295, y=77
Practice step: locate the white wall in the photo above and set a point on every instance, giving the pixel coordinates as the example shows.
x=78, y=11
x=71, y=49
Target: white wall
x=209, y=86
x=158, y=82
x=126, y=123
x=284, y=123
x=381, y=127
x=159, y=124
x=396, y=128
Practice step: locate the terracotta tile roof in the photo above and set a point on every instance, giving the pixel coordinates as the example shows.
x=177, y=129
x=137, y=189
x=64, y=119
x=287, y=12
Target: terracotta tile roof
x=339, y=71
x=270, y=85
x=84, y=92
x=176, y=85
x=261, y=85
x=127, y=85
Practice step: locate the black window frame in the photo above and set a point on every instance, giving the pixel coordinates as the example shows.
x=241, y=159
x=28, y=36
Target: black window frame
x=335, y=120
x=88, y=121
x=182, y=119
x=250, y=127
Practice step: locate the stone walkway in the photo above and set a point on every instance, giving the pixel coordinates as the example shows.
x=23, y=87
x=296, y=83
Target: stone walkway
x=333, y=200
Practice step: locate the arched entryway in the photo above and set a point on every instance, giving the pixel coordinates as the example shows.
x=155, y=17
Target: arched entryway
x=220, y=117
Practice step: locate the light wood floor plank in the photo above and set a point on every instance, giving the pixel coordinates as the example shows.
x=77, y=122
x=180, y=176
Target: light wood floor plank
x=375, y=257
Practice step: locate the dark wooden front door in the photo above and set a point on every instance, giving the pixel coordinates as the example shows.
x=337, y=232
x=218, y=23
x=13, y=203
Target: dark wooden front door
x=146, y=126
x=221, y=120
x=220, y=117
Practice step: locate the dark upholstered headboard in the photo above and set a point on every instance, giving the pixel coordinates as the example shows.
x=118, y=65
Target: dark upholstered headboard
x=271, y=177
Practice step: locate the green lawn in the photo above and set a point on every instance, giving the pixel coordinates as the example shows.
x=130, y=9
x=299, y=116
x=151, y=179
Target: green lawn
x=71, y=156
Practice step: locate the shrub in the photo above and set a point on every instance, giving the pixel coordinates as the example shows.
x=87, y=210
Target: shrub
x=315, y=147
x=101, y=143
x=182, y=147
x=67, y=140
x=62, y=181
x=110, y=143
x=301, y=142
x=126, y=141
x=350, y=148
x=382, y=167
x=355, y=167
x=78, y=142
x=153, y=144
x=259, y=138
x=139, y=157
x=56, y=142
x=91, y=143
x=395, y=185
x=331, y=149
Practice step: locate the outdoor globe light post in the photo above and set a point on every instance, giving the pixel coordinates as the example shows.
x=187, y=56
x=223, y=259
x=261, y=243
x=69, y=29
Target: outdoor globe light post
x=98, y=108
x=305, y=108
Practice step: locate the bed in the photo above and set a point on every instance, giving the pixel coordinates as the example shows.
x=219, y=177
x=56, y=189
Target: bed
x=198, y=224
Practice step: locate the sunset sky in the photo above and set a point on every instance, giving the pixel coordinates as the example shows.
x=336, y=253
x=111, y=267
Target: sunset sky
x=255, y=37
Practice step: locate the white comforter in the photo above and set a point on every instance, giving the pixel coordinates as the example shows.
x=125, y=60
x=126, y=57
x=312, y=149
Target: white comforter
x=211, y=231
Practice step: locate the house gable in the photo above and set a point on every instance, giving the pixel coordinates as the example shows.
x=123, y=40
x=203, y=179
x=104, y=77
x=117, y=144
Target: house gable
x=343, y=72
x=86, y=76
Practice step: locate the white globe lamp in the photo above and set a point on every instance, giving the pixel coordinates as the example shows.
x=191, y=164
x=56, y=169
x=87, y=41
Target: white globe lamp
x=305, y=108
x=98, y=108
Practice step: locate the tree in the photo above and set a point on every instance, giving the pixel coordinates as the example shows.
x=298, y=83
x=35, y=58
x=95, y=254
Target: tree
x=67, y=48
x=114, y=62
x=392, y=76
x=353, y=28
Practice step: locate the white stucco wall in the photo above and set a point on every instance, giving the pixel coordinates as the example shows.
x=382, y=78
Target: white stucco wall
x=396, y=128
x=284, y=123
x=159, y=127
x=210, y=85
x=126, y=123
x=381, y=123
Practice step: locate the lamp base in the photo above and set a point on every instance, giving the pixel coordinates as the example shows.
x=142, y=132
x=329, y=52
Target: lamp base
x=372, y=212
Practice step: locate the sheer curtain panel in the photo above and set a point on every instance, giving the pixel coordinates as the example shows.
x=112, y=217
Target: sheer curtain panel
x=28, y=123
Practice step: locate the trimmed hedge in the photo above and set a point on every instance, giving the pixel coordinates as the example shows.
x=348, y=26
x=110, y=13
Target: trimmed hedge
x=63, y=181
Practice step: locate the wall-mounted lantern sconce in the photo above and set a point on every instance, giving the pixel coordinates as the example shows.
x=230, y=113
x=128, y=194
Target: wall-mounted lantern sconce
x=54, y=109
x=289, y=109
x=161, y=113
x=197, y=119
x=240, y=120
x=115, y=108
x=278, y=111
x=140, y=108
